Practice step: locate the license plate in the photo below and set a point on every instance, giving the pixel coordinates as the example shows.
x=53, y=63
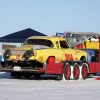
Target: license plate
x=17, y=68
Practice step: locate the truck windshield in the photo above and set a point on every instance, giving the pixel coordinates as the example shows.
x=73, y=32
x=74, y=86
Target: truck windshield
x=38, y=42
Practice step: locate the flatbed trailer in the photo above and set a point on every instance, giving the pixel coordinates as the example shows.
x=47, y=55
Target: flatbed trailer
x=70, y=69
x=66, y=69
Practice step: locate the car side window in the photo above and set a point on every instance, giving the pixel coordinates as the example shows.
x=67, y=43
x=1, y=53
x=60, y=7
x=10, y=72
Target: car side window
x=49, y=44
x=63, y=44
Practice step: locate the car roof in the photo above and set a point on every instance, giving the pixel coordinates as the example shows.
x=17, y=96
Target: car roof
x=47, y=37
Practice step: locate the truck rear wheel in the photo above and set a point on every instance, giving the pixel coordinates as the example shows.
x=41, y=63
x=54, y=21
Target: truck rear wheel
x=67, y=71
x=84, y=71
x=60, y=77
x=76, y=71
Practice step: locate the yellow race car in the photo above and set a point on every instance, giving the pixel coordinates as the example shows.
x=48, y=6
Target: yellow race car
x=36, y=51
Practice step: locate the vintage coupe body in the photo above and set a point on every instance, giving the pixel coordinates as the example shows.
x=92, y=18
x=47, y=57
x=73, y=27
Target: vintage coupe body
x=36, y=51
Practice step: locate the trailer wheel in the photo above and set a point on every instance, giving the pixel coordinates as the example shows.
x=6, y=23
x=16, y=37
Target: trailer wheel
x=76, y=71
x=84, y=71
x=60, y=77
x=37, y=76
x=26, y=75
x=17, y=76
x=67, y=71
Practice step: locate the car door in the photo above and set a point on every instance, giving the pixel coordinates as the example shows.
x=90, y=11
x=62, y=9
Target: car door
x=67, y=52
x=52, y=50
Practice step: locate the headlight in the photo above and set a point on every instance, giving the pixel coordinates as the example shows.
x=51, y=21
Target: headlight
x=27, y=54
x=7, y=54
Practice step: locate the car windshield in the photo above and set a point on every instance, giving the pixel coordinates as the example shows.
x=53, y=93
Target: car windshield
x=38, y=42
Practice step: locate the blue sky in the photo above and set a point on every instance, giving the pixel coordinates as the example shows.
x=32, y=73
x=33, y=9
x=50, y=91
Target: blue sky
x=49, y=16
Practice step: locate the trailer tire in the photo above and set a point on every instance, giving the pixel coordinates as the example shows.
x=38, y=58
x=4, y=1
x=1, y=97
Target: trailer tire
x=76, y=71
x=17, y=76
x=67, y=71
x=84, y=71
x=37, y=76
x=26, y=75
x=60, y=77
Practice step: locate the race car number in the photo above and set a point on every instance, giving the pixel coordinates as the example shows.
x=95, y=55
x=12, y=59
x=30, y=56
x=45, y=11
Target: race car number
x=69, y=57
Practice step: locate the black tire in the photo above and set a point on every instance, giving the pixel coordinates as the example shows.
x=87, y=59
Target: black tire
x=83, y=58
x=76, y=71
x=67, y=71
x=84, y=71
x=37, y=76
x=17, y=76
x=60, y=77
x=26, y=75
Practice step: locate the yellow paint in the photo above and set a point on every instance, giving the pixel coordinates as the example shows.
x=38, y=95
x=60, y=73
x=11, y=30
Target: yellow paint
x=40, y=58
x=12, y=57
x=43, y=54
x=32, y=58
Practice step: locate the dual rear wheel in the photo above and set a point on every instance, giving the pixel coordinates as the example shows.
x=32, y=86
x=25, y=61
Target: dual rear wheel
x=75, y=71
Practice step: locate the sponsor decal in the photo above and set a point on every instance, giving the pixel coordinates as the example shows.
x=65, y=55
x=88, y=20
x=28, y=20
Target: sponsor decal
x=69, y=57
x=41, y=58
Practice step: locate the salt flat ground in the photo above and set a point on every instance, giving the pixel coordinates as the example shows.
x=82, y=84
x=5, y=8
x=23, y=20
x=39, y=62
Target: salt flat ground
x=48, y=88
